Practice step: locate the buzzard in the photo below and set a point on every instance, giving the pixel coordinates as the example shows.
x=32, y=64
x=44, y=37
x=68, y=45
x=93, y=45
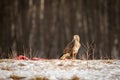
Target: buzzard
x=72, y=48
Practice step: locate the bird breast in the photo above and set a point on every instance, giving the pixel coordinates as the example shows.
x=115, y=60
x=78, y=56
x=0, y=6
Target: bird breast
x=76, y=46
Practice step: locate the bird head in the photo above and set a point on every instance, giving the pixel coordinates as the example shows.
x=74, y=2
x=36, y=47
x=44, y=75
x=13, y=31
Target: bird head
x=76, y=37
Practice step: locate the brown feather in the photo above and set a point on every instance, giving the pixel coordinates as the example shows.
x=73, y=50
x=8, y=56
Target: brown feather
x=72, y=48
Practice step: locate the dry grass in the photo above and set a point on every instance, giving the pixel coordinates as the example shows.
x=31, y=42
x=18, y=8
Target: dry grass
x=1, y=60
x=5, y=60
x=12, y=55
x=107, y=61
x=75, y=78
x=40, y=78
x=61, y=64
x=21, y=64
x=6, y=68
x=16, y=77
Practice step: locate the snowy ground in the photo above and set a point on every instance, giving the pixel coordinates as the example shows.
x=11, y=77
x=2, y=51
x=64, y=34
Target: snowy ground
x=59, y=69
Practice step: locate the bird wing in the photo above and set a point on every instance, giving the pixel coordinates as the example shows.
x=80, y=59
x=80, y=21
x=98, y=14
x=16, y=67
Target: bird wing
x=68, y=48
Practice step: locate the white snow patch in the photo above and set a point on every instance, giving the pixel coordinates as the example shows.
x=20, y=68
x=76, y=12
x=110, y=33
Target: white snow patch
x=60, y=69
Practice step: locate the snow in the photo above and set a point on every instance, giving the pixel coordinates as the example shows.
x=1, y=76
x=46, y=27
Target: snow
x=11, y=69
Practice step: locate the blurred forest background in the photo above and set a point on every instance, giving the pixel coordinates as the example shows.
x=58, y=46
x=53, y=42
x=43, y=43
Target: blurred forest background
x=45, y=27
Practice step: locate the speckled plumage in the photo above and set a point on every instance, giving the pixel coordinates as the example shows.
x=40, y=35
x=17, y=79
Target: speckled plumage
x=72, y=48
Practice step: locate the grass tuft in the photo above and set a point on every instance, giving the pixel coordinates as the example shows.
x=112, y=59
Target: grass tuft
x=60, y=65
x=1, y=60
x=108, y=61
x=6, y=68
x=21, y=64
x=75, y=78
x=40, y=78
x=16, y=77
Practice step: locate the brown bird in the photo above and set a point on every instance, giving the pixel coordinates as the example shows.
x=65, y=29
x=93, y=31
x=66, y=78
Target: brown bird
x=72, y=48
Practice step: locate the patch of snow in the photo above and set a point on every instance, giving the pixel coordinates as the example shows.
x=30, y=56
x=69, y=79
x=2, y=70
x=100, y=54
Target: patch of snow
x=60, y=69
